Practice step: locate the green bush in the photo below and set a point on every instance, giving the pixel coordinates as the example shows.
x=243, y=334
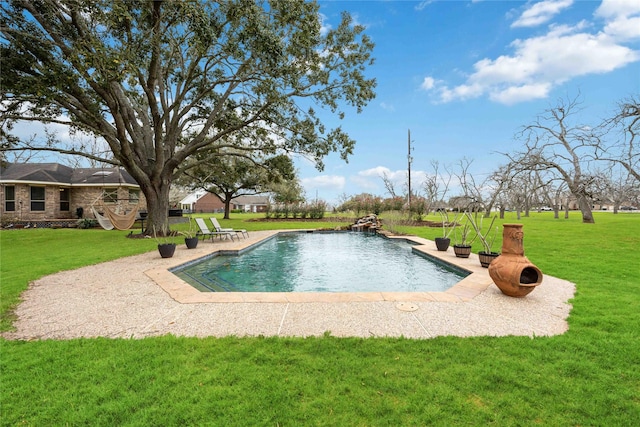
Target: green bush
x=87, y=223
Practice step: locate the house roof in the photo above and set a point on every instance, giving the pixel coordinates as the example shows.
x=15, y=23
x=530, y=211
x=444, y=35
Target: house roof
x=251, y=200
x=55, y=173
x=241, y=200
x=193, y=197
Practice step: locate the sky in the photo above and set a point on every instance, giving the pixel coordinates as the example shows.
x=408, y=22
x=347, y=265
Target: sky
x=464, y=76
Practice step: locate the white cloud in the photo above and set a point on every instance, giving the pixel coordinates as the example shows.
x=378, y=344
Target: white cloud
x=618, y=8
x=428, y=83
x=515, y=94
x=537, y=64
x=377, y=172
x=324, y=26
x=331, y=182
x=622, y=18
x=624, y=28
x=461, y=92
x=366, y=184
x=370, y=180
x=541, y=12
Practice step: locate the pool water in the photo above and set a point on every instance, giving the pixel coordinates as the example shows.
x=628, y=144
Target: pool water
x=321, y=262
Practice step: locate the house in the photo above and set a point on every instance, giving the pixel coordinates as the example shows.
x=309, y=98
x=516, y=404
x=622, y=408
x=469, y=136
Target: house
x=48, y=192
x=202, y=201
x=250, y=203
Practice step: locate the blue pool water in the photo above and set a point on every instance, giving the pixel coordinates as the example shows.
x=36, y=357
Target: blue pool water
x=321, y=262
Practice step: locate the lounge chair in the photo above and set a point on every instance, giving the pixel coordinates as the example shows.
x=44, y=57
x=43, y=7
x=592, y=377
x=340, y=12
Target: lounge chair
x=239, y=232
x=204, y=231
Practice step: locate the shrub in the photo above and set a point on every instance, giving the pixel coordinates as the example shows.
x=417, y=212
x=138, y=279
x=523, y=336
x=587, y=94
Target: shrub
x=87, y=223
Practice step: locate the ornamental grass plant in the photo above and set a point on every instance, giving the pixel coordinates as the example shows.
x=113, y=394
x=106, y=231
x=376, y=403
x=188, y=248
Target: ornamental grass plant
x=587, y=376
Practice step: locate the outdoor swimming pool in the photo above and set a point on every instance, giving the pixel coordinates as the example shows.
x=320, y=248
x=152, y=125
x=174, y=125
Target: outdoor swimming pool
x=321, y=262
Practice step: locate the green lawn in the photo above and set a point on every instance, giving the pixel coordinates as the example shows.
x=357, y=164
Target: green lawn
x=588, y=376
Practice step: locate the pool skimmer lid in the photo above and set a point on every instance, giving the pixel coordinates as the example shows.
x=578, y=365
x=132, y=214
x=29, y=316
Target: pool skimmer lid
x=406, y=306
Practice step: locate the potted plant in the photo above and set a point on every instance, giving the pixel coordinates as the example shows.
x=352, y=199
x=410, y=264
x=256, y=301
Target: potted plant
x=462, y=248
x=487, y=238
x=166, y=247
x=190, y=236
x=442, y=243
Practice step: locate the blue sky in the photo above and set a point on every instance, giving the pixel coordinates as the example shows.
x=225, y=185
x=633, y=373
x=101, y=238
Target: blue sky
x=464, y=76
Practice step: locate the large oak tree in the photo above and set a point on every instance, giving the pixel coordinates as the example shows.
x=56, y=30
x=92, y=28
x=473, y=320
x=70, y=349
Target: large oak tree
x=160, y=81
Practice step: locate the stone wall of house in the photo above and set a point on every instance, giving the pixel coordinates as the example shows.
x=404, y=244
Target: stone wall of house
x=23, y=210
x=93, y=196
x=82, y=197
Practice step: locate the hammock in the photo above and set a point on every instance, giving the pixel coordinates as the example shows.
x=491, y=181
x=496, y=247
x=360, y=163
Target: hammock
x=121, y=222
x=102, y=220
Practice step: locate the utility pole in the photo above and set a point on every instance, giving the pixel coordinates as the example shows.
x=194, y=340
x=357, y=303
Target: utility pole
x=409, y=160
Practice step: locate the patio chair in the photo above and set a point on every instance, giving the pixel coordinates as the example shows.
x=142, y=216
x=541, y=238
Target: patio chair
x=204, y=231
x=239, y=231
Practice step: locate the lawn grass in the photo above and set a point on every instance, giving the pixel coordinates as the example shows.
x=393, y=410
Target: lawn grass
x=588, y=376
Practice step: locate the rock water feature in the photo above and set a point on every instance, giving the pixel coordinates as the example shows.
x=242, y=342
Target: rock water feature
x=369, y=223
x=512, y=272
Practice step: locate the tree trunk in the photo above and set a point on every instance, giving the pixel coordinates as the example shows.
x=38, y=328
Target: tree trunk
x=157, y=209
x=585, y=208
x=227, y=205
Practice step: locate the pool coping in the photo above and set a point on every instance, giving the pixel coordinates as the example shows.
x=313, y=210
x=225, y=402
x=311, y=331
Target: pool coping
x=465, y=290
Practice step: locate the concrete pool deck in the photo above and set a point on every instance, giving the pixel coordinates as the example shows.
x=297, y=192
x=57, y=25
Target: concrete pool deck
x=137, y=296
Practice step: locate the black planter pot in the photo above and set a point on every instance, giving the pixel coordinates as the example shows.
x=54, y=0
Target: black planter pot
x=487, y=257
x=166, y=249
x=191, y=242
x=442, y=243
x=462, y=251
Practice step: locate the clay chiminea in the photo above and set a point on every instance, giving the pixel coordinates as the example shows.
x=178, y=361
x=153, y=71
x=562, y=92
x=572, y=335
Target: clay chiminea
x=512, y=272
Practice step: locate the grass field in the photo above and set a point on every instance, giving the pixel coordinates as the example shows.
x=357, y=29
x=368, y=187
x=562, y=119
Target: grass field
x=589, y=376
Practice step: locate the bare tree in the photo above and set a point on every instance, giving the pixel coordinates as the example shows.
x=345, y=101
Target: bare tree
x=470, y=189
x=623, y=128
x=615, y=187
x=497, y=182
x=552, y=142
x=388, y=184
x=436, y=186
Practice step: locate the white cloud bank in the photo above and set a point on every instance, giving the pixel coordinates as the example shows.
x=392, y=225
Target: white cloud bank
x=540, y=63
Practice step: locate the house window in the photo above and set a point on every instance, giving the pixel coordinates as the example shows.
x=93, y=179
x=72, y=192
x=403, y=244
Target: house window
x=37, y=198
x=110, y=195
x=10, y=198
x=134, y=196
x=64, y=199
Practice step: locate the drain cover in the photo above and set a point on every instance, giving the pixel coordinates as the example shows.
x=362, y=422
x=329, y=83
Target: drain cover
x=406, y=306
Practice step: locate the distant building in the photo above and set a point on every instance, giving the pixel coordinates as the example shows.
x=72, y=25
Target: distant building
x=202, y=201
